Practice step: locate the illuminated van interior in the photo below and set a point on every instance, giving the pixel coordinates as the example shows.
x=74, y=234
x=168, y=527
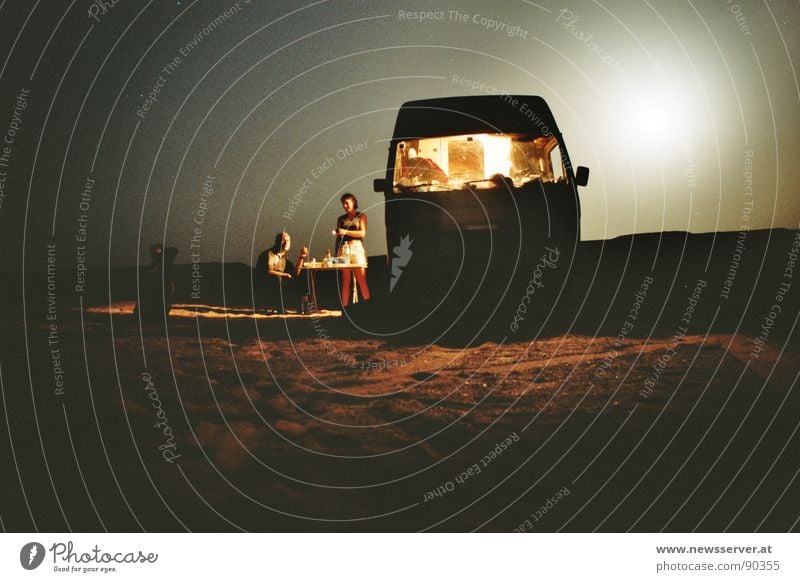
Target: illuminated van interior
x=477, y=161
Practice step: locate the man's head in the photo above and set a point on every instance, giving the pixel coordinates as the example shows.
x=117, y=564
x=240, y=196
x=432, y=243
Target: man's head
x=283, y=242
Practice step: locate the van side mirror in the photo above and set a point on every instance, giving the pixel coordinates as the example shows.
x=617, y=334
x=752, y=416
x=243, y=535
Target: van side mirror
x=379, y=185
x=582, y=176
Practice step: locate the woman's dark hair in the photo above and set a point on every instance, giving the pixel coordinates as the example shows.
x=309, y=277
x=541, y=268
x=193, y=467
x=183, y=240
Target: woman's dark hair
x=347, y=195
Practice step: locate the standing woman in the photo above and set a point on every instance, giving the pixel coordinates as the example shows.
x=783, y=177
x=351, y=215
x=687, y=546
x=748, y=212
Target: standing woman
x=351, y=228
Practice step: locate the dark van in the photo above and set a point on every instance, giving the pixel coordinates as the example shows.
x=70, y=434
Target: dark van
x=478, y=190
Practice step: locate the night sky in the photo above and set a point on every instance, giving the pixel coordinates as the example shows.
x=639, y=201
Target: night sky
x=198, y=122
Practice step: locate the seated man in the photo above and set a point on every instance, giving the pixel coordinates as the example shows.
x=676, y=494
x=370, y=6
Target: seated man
x=281, y=288
x=421, y=170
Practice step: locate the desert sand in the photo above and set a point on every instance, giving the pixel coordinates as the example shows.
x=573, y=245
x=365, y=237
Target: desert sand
x=226, y=421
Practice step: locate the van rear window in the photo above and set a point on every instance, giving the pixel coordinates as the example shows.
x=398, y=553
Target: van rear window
x=477, y=161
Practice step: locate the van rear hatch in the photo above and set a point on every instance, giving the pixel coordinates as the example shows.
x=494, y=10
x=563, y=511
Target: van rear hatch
x=481, y=186
x=480, y=114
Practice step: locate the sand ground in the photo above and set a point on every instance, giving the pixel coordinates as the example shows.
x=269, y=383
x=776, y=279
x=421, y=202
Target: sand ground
x=228, y=422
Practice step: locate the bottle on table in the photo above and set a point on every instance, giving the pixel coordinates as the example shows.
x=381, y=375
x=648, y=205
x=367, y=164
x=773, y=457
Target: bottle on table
x=346, y=252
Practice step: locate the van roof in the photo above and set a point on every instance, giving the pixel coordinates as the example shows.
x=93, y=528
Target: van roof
x=474, y=114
